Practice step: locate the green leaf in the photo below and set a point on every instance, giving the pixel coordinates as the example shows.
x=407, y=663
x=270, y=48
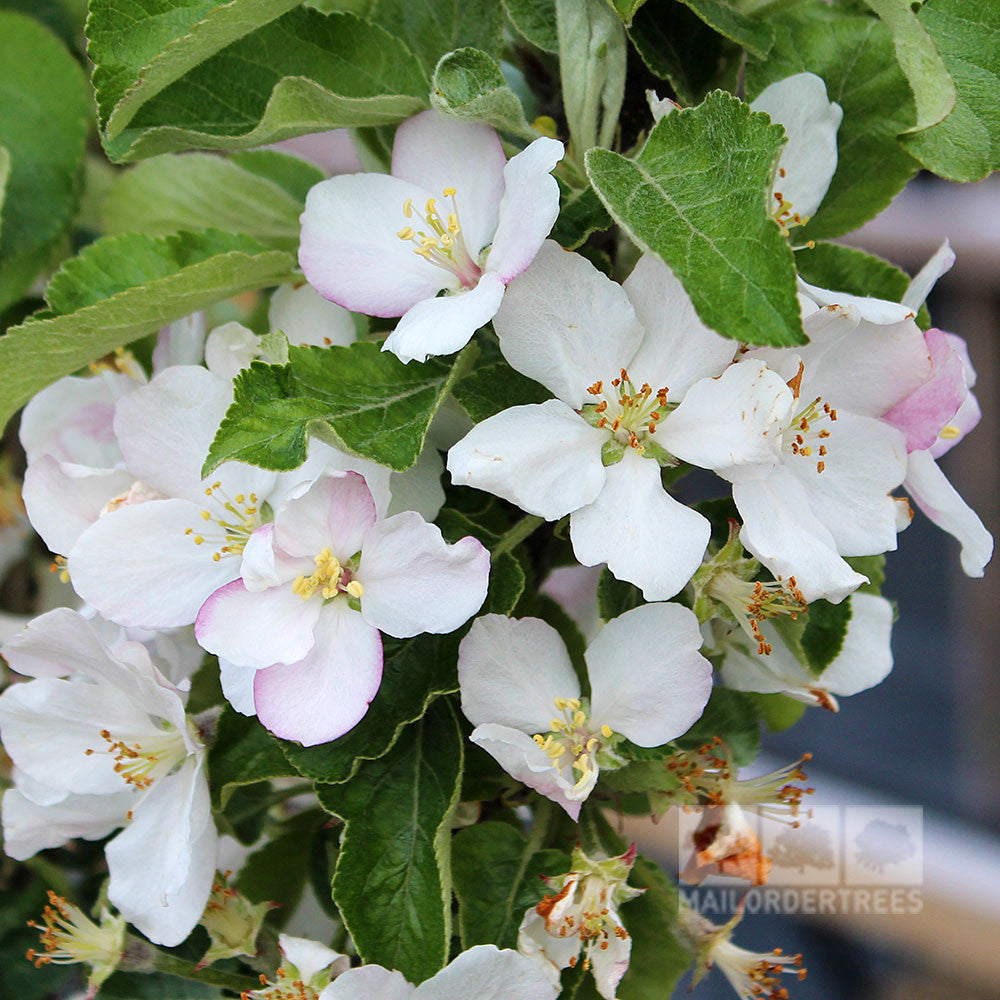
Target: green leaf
x=615, y=597
x=243, y=753
x=507, y=583
x=393, y=877
x=580, y=214
x=536, y=21
x=592, y=55
x=854, y=55
x=817, y=637
x=433, y=27
x=756, y=37
x=154, y=986
x=497, y=877
x=874, y=568
x=361, y=398
x=658, y=959
x=121, y=288
x=933, y=89
x=626, y=9
x=680, y=47
x=966, y=145
x=733, y=717
x=778, y=711
x=696, y=197
x=200, y=191
x=493, y=387
x=304, y=72
x=469, y=85
x=43, y=132
x=414, y=673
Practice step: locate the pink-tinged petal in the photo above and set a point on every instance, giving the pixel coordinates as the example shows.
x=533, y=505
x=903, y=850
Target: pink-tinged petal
x=922, y=414
x=445, y=324
x=878, y=311
x=349, y=250
x=139, y=565
x=335, y=512
x=486, y=973
x=328, y=693
x=257, y=629
x=62, y=501
x=512, y=670
x=306, y=318
x=162, y=865
x=436, y=152
x=642, y=533
x=940, y=501
x=567, y=325
x=678, y=349
x=265, y=565
x=967, y=419
x=647, y=679
x=543, y=457
x=920, y=287
x=333, y=152
x=865, y=460
x=414, y=581
x=522, y=758
x=529, y=208
x=369, y=982
x=229, y=349
x=780, y=529
x=731, y=424
x=180, y=343
x=73, y=420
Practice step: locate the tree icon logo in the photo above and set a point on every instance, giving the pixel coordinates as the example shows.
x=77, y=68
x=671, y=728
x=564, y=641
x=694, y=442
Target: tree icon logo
x=880, y=844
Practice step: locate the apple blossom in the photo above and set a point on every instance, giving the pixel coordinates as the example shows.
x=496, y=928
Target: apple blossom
x=380, y=244
x=592, y=452
x=317, y=588
x=233, y=923
x=513, y=673
x=305, y=971
x=581, y=917
x=111, y=748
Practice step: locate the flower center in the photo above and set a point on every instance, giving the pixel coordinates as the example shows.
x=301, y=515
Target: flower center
x=331, y=579
x=629, y=415
x=571, y=737
x=141, y=764
x=759, y=974
x=283, y=989
x=782, y=211
x=229, y=525
x=441, y=243
x=582, y=909
x=68, y=936
x=752, y=602
x=801, y=434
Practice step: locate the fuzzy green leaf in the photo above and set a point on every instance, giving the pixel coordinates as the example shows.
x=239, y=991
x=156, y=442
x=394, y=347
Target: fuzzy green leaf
x=243, y=753
x=756, y=37
x=696, y=197
x=536, y=21
x=493, y=387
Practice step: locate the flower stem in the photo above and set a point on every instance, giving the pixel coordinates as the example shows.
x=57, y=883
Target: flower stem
x=174, y=966
x=517, y=534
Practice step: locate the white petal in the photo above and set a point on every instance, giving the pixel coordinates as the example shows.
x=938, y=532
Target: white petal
x=370, y=982
x=543, y=457
x=229, y=349
x=415, y=581
x=349, y=250
x=29, y=827
x=567, y=325
x=264, y=565
x=866, y=656
x=445, y=324
x=419, y=487
x=610, y=964
x=549, y=953
x=334, y=512
x=732, y=424
x=162, y=865
x=648, y=681
x=522, y=758
x=326, y=694
x=642, y=533
x=811, y=120
x=180, y=343
x=878, y=311
x=237, y=685
x=332, y=151
x=511, y=671
x=436, y=152
x=529, y=208
x=310, y=958
x=940, y=501
x=677, y=349
x=920, y=287
x=486, y=973
x=305, y=318
x=257, y=629
x=780, y=529
x=744, y=669
x=138, y=567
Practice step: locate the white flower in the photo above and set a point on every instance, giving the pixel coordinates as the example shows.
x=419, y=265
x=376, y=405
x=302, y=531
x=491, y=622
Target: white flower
x=306, y=968
x=864, y=660
x=318, y=585
x=110, y=748
x=157, y=553
x=581, y=917
x=648, y=683
x=483, y=973
x=383, y=245
x=617, y=358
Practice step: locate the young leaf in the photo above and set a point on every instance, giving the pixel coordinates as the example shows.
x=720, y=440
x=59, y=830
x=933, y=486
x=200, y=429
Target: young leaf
x=497, y=877
x=393, y=877
x=43, y=131
x=817, y=637
x=853, y=53
x=696, y=197
x=304, y=72
x=966, y=145
x=121, y=288
x=361, y=398
x=536, y=21
x=468, y=85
